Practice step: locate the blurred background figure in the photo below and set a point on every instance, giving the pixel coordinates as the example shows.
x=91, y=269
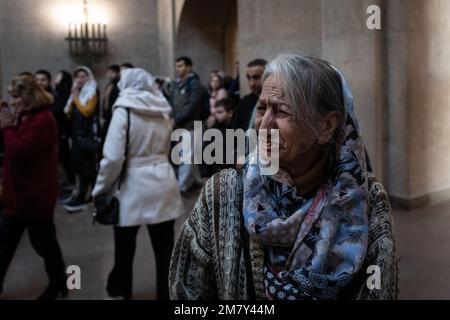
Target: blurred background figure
x=30, y=183
x=186, y=98
x=63, y=86
x=44, y=80
x=233, y=85
x=126, y=65
x=82, y=108
x=254, y=73
x=223, y=120
x=217, y=92
x=149, y=193
x=110, y=96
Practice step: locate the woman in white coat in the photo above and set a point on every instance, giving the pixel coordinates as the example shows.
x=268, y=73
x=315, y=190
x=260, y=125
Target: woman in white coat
x=149, y=192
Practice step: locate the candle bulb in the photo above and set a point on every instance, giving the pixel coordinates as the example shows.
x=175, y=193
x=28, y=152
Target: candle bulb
x=104, y=37
x=93, y=35
x=69, y=38
x=99, y=36
x=75, y=37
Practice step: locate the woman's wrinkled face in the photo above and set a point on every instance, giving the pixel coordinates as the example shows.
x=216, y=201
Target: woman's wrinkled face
x=274, y=112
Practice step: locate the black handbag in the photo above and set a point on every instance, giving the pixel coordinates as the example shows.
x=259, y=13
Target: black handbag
x=93, y=141
x=107, y=207
x=89, y=144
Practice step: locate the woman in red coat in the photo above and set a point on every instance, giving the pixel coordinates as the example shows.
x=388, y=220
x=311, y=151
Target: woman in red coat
x=30, y=181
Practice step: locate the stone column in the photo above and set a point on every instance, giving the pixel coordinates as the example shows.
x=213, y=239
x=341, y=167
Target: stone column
x=418, y=100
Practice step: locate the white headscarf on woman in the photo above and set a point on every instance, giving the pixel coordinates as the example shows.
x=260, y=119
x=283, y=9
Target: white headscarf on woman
x=139, y=91
x=87, y=92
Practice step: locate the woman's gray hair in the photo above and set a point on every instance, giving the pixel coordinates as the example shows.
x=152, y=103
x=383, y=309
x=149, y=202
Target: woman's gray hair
x=313, y=88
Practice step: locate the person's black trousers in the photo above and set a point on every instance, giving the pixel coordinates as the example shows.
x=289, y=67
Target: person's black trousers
x=43, y=239
x=85, y=166
x=65, y=158
x=120, y=280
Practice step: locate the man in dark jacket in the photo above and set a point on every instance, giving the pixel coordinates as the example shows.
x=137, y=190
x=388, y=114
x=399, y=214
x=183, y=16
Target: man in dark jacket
x=186, y=99
x=254, y=73
x=111, y=94
x=44, y=80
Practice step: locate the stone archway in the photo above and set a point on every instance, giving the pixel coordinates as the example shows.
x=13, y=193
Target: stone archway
x=208, y=34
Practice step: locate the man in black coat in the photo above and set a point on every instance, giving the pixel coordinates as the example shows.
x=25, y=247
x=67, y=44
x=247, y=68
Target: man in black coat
x=254, y=73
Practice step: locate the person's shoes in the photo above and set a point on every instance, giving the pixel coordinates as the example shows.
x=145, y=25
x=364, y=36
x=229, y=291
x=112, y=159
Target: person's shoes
x=109, y=297
x=54, y=292
x=116, y=295
x=65, y=198
x=76, y=205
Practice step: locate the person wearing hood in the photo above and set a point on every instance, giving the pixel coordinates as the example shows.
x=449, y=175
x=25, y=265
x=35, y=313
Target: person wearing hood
x=149, y=193
x=82, y=108
x=309, y=230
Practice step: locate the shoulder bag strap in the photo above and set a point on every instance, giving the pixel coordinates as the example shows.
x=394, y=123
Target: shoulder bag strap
x=124, y=165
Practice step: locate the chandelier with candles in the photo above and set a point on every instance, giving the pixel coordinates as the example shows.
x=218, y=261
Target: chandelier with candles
x=86, y=38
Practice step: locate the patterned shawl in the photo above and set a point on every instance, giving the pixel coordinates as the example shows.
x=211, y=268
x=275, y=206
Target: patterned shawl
x=314, y=247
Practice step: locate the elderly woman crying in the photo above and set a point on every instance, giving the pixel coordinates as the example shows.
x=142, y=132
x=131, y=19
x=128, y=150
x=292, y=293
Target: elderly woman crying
x=309, y=230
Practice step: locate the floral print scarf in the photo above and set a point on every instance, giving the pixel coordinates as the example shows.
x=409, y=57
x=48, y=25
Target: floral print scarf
x=314, y=247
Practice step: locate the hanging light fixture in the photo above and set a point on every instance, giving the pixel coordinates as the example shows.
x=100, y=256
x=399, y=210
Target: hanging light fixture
x=87, y=38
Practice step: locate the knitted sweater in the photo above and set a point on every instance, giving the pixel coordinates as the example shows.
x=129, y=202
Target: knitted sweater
x=209, y=260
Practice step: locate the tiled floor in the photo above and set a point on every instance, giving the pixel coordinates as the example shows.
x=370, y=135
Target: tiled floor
x=423, y=244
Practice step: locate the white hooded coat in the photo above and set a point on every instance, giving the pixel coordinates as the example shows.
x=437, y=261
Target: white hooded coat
x=149, y=193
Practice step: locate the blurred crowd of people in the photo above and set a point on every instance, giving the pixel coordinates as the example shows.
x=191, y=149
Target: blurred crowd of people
x=66, y=121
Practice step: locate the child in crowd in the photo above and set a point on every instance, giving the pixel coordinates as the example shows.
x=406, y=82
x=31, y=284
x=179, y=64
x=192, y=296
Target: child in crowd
x=224, y=119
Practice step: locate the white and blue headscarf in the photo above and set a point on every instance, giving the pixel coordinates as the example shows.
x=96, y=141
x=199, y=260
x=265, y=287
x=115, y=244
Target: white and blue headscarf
x=314, y=247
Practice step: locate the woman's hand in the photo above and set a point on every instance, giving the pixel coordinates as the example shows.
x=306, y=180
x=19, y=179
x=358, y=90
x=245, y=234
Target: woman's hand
x=75, y=92
x=7, y=118
x=76, y=89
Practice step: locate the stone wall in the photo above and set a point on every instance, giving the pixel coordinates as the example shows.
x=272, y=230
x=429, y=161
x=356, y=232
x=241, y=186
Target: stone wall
x=419, y=100
x=326, y=29
x=33, y=33
x=399, y=75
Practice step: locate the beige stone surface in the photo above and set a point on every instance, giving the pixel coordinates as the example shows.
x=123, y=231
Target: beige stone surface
x=33, y=34
x=399, y=75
